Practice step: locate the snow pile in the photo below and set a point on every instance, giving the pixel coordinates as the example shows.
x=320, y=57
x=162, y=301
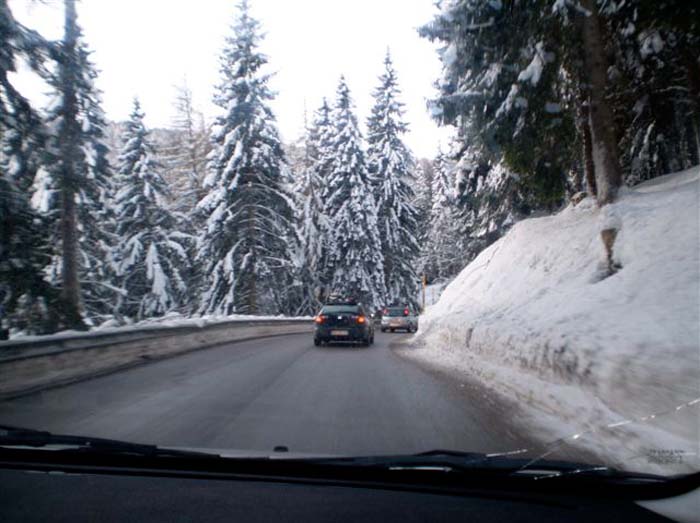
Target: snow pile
x=538, y=318
x=432, y=293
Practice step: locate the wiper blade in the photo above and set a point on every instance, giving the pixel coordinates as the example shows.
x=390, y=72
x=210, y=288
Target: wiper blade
x=476, y=463
x=431, y=460
x=537, y=469
x=21, y=437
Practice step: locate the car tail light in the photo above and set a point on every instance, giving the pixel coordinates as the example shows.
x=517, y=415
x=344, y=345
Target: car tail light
x=386, y=311
x=318, y=319
x=361, y=319
x=405, y=312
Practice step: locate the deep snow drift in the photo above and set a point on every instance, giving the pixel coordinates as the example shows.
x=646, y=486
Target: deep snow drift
x=588, y=357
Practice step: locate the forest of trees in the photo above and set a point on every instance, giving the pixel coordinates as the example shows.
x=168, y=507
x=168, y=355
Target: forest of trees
x=549, y=98
x=112, y=221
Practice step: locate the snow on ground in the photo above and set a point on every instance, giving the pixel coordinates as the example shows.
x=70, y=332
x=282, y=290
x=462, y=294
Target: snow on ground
x=172, y=319
x=610, y=363
x=433, y=292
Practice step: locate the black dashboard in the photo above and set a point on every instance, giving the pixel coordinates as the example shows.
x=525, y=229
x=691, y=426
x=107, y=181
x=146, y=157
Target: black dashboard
x=122, y=494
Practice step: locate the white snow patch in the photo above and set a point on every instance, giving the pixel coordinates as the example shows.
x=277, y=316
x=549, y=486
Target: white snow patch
x=533, y=72
x=433, y=293
x=611, y=361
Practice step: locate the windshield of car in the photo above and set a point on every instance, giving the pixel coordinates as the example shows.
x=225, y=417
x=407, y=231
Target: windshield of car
x=214, y=215
x=395, y=311
x=340, y=309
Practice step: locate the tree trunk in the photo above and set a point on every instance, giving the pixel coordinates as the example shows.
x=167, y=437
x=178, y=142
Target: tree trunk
x=69, y=135
x=252, y=284
x=586, y=145
x=608, y=175
x=692, y=65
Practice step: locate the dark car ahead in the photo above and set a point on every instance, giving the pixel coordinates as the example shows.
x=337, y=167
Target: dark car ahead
x=343, y=322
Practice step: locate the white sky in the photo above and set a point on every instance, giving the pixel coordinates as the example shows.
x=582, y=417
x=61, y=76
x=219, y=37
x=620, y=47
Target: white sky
x=145, y=47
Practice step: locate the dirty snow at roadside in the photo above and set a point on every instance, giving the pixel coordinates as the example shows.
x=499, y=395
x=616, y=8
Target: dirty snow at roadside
x=536, y=318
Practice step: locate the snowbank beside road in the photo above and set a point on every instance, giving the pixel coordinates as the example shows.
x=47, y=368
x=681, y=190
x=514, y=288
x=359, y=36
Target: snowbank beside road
x=433, y=292
x=536, y=318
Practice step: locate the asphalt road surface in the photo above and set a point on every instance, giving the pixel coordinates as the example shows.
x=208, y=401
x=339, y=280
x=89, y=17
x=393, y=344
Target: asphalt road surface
x=259, y=394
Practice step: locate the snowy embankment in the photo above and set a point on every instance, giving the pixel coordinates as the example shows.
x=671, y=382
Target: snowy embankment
x=433, y=292
x=611, y=362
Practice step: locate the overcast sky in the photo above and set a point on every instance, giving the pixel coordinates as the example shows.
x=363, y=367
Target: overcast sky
x=145, y=47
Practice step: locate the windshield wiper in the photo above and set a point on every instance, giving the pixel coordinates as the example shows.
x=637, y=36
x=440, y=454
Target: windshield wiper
x=471, y=463
x=21, y=437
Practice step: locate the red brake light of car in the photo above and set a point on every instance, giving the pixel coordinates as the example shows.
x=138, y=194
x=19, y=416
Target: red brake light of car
x=318, y=319
x=405, y=312
x=386, y=311
x=361, y=319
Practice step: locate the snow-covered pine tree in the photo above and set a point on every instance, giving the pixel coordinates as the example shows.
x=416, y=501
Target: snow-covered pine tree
x=149, y=259
x=503, y=90
x=390, y=163
x=96, y=218
x=489, y=199
x=656, y=46
x=441, y=256
x=309, y=218
x=27, y=300
x=93, y=186
x=355, y=257
x=319, y=146
x=422, y=177
x=243, y=247
x=68, y=157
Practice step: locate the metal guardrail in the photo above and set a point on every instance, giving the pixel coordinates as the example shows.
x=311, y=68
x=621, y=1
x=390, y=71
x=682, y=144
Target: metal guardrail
x=32, y=365
x=32, y=348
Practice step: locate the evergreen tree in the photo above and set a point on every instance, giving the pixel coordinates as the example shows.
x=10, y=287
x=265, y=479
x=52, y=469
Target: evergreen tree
x=93, y=187
x=309, y=224
x=150, y=258
x=27, y=300
x=655, y=47
x=503, y=90
x=519, y=77
x=441, y=257
x=354, y=257
x=69, y=156
x=423, y=183
x=96, y=217
x=390, y=164
x=319, y=146
x=489, y=199
x=243, y=246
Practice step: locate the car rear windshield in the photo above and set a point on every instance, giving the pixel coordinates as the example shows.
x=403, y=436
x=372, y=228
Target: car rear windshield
x=395, y=311
x=335, y=309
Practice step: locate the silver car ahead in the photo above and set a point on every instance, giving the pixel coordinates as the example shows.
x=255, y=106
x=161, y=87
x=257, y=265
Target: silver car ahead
x=399, y=318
